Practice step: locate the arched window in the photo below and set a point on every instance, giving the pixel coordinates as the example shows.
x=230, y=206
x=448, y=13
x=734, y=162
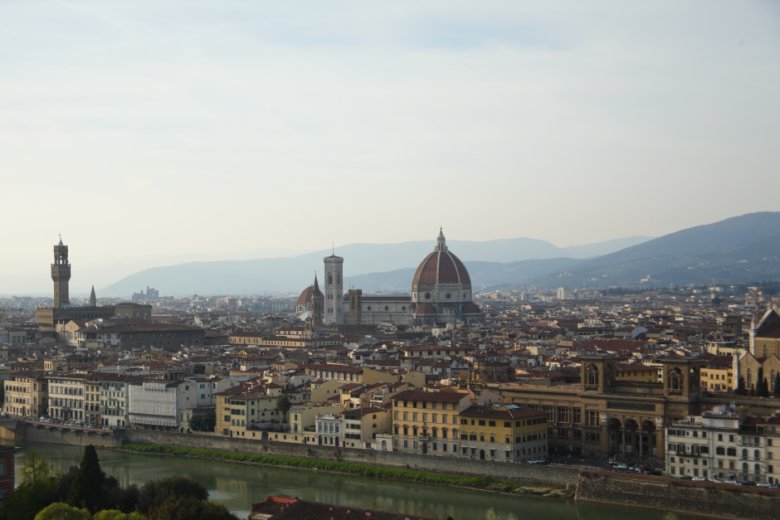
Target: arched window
x=756, y=454
x=675, y=380
x=591, y=376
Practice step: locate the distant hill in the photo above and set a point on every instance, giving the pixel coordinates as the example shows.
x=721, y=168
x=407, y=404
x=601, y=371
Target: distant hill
x=736, y=250
x=292, y=274
x=484, y=275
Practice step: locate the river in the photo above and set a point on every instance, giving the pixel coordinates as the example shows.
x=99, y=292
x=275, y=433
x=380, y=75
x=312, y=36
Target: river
x=238, y=485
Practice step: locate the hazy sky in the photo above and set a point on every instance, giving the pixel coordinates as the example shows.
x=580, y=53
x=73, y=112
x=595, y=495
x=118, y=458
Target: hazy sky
x=151, y=132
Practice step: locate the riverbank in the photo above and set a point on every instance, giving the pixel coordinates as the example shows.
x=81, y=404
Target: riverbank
x=354, y=468
x=657, y=493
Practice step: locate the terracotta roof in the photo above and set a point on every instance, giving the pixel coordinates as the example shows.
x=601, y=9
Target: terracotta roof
x=441, y=267
x=279, y=508
x=305, y=297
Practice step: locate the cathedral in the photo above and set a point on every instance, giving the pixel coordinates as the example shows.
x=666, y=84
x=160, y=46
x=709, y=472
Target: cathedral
x=440, y=294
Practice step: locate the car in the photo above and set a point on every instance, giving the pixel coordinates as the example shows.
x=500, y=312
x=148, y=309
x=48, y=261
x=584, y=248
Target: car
x=538, y=461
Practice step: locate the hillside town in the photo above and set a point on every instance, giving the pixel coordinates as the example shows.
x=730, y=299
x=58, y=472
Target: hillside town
x=681, y=381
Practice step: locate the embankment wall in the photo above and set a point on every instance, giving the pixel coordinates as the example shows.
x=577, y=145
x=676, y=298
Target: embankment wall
x=683, y=496
x=550, y=475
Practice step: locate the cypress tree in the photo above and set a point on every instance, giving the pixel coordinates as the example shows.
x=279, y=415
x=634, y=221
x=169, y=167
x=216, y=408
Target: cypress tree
x=776, y=390
x=88, y=488
x=764, y=388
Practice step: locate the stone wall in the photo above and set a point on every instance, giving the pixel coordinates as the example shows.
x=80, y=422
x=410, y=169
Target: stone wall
x=27, y=432
x=683, y=496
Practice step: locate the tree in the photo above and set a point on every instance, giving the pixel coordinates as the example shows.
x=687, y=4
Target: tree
x=88, y=484
x=283, y=405
x=37, y=490
x=189, y=508
x=204, y=423
x=154, y=493
x=29, y=498
x=62, y=511
x=764, y=389
x=36, y=468
x=741, y=385
x=776, y=389
x=115, y=514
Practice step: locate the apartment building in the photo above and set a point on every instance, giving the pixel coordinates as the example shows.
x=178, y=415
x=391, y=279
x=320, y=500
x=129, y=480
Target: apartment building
x=67, y=397
x=503, y=433
x=721, y=445
x=427, y=422
x=26, y=394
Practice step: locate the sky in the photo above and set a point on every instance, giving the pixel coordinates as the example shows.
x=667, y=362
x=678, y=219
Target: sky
x=149, y=133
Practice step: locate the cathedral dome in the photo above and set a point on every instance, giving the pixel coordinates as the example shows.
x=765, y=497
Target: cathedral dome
x=305, y=297
x=441, y=267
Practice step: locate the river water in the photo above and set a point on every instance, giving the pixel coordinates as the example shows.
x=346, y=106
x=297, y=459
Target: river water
x=237, y=486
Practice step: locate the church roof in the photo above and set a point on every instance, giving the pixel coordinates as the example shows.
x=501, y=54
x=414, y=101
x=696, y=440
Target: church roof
x=441, y=267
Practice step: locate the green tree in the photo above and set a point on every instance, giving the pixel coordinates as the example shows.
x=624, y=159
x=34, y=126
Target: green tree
x=36, y=468
x=62, y=511
x=90, y=487
x=37, y=490
x=283, y=404
x=204, y=423
x=764, y=392
x=115, y=514
x=29, y=498
x=776, y=389
x=740, y=385
x=189, y=508
x=154, y=493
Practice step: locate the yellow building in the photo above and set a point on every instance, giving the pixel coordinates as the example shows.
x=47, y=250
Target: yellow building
x=92, y=402
x=26, y=394
x=638, y=373
x=602, y=416
x=244, y=411
x=506, y=433
x=718, y=374
x=427, y=422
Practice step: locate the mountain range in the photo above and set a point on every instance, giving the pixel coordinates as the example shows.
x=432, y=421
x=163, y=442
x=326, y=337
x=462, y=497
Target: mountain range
x=737, y=250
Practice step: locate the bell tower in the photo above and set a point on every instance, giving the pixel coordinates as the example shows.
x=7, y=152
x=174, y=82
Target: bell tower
x=60, y=274
x=334, y=290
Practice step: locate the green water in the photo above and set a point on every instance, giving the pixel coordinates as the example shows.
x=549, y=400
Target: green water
x=238, y=485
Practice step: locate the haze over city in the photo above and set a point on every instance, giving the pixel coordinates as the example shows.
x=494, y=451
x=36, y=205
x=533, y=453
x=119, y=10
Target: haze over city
x=152, y=134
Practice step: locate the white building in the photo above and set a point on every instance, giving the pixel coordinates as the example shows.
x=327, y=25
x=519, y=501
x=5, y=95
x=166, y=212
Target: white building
x=66, y=397
x=161, y=405
x=719, y=445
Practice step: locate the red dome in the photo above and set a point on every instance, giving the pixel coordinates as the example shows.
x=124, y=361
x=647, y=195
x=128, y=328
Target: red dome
x=441, y=267
x=305, y=297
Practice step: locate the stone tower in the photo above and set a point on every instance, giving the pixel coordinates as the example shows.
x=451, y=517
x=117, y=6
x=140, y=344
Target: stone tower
x=334, y=290
x=316, y=305
x=354, y=309
x=60, y=274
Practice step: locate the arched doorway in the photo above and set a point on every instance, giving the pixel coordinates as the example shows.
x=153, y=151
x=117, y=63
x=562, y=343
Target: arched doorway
x=647, y=446
x=631, y=437
x=614, y=434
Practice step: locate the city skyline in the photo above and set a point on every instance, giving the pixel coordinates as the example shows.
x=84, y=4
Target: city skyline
x=151, y=134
